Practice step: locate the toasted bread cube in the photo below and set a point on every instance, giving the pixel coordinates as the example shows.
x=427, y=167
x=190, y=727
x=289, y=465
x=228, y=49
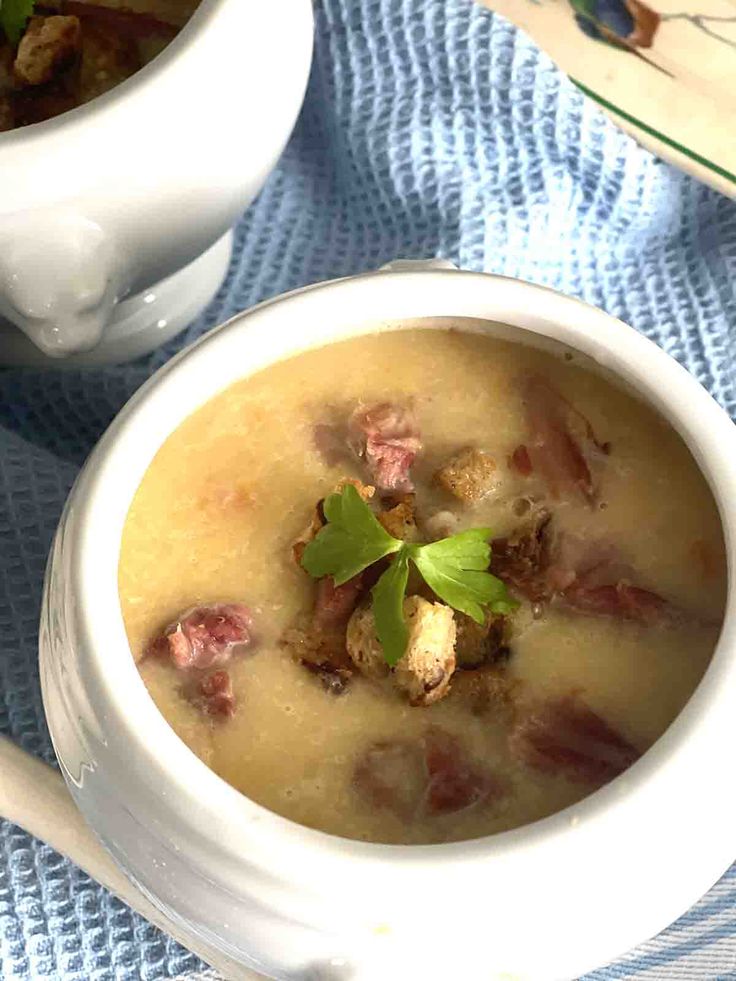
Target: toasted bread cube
x=424, y=672
x=363, y=645
x=400, y=520
x=469, y=476
x=49, y=45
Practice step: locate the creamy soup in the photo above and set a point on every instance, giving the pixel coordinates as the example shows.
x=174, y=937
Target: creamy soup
x=604, y=536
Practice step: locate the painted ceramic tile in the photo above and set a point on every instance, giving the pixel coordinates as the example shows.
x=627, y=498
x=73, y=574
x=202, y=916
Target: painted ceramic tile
x=664, y=69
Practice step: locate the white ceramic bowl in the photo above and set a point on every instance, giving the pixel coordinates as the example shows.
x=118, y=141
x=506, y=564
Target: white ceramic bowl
x=547, y=901
x=114, y=216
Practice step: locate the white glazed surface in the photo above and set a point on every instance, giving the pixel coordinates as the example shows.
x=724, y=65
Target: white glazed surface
x=549, y=901
x=114, y=196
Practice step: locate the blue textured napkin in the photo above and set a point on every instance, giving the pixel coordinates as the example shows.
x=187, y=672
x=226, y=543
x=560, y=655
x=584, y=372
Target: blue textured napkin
x=430, y=128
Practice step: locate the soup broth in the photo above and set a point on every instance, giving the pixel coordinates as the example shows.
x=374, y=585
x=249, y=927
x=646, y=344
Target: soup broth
x=604, y=532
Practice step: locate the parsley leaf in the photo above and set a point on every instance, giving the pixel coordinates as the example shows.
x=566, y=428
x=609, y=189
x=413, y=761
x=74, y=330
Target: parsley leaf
x=13, y=17
x=388, y=608
x=454, y=568
x=352, y=539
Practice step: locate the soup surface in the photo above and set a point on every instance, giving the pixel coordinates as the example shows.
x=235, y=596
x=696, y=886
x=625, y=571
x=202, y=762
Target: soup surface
x=603, y=531
x=58, y=54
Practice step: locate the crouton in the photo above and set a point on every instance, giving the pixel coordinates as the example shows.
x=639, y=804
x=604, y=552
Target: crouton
x=317, y=517
x=363, y=645
x=400, y=520
x=488, y=691
x=469, y=475
x=481, y=643
x=424, y=672
x=49, y=45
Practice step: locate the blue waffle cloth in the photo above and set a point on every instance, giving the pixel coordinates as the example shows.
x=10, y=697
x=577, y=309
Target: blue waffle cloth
x=430, y=128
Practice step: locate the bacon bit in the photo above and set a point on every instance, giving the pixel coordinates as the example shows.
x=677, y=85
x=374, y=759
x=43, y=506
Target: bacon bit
x=429, y=777
x=205, y=636
x=553, y=450
x=216, y=694
x=563, y=737
x=620, y=600
x=334, y=605
x=521, y=461
x=386, y=436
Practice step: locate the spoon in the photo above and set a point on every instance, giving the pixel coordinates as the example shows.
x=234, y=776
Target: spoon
x=34, y=797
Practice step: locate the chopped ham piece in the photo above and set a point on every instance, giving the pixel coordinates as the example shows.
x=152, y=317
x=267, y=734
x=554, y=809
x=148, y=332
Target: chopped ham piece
x=216, y=694
x=563, y=737
x=428, y=777
x=558, y=436
x=205, y=636
x=334, y=605
x=387, y=438
x=391, y=775
x=618, y=600
x=455, y=783
x=590, y=577
x=521, y=461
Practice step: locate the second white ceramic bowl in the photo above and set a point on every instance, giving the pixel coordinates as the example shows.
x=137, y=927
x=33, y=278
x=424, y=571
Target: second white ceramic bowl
x=114, y=217
x=547, y=901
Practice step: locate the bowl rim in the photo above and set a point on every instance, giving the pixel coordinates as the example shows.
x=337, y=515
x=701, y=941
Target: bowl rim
x=202, y=21
x=705, y=427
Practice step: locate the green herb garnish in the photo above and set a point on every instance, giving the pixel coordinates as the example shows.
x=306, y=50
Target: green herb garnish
x=454, y=568
x=13, y=17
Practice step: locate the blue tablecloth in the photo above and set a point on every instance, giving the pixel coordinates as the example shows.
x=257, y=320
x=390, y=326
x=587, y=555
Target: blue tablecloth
x=430, y=128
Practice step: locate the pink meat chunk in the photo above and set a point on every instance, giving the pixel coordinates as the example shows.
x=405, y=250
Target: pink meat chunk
x=334, y=605
x=455, y=783
x=563, y=737
x=428, y=777
x=618, y=600
x=205, y=636
x=561, y=440
x=521, y=461
x=215, y=694
x=386, y=437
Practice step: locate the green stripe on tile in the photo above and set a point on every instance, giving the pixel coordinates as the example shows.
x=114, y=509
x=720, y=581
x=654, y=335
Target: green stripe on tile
x=703, y=161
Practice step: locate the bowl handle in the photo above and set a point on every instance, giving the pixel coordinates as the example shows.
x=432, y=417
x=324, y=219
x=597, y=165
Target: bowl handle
x=59, y=279
x=33, y=796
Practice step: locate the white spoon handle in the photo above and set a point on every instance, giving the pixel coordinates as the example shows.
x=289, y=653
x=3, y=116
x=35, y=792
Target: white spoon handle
x=33, y=796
